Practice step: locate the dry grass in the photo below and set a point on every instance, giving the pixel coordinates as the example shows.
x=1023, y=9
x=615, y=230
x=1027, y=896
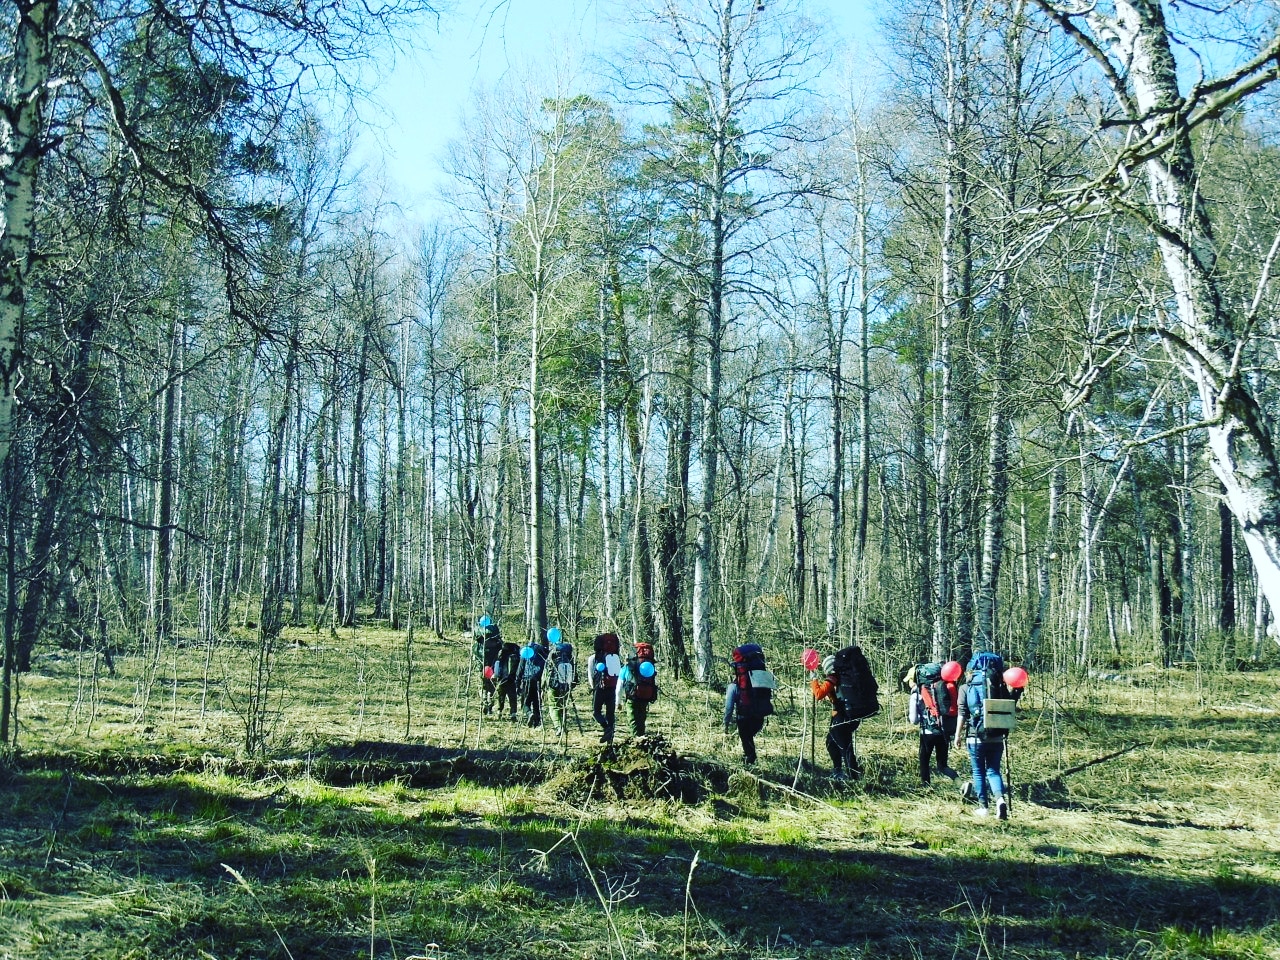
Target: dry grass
x=1145, y=824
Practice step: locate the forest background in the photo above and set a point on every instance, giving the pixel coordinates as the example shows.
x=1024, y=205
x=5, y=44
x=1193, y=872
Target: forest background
x=710, y=339
x=710, y=345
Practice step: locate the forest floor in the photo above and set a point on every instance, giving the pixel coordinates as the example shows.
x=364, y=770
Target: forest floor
x=384, y=820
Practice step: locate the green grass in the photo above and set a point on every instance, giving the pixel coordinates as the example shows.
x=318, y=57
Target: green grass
x=113, y=842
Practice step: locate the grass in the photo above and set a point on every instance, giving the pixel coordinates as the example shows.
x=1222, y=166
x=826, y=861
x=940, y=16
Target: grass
x=149, y=837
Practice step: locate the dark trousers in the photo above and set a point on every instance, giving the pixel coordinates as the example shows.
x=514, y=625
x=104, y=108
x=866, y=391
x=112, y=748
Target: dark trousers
x=748, y=727
x=487, y=690
x=602, y=706
x=533, y=703
x=505, y=692
x=639, y=713
x=931, y=743
x=840, y=744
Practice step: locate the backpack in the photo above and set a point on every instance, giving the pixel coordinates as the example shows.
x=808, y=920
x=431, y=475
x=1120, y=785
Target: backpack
x=936, y=701
x=563, y=676
x=531, y=666
x=606, y=656
x=991, y=705
x=635, y=685
x=754, y=681
x=504, y=661
x=856, y=686
x=488, y=644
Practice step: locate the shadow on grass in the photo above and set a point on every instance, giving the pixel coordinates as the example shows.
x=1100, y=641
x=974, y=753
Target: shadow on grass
x=314, y=862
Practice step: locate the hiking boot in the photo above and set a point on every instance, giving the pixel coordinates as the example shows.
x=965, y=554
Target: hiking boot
x=840, y=776
x=966, y=792
x=948, y=773
x=981, y=812
x=1002, y=808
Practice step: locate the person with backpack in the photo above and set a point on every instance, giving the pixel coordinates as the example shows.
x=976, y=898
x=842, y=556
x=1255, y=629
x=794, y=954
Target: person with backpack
x=638, y=686
x=847, y=681
x=931, y=705
x=748, y=698
x=506, y=676
x=488, y=651
x=603, y=667
x=498, y=660
x=986, y=711
x=562, y=677
x=533, y=662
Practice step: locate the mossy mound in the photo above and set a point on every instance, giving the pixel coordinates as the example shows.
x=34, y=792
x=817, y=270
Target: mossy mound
x=643, y=768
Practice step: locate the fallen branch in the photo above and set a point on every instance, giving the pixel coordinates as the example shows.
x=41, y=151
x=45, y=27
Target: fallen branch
x=1103, y=759
x=718, y=866
x=792, y=791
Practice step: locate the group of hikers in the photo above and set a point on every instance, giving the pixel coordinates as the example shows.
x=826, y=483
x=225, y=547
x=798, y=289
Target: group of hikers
x=513, y=677
x=948, y=703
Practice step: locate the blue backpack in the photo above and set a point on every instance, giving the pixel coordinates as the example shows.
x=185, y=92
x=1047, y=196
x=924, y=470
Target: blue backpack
x=986, y=683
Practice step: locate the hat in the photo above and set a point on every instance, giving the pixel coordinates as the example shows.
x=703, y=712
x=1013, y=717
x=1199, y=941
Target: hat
x=829, y=663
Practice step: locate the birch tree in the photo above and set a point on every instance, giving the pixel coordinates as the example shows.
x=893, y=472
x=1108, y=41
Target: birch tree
x=1151, y=174
x=731, y=73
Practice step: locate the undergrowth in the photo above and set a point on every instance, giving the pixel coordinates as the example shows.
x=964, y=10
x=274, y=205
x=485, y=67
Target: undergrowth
x=1144, y=826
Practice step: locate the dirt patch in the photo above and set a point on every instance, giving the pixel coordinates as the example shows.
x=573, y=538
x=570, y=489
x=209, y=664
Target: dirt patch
x=644, y=768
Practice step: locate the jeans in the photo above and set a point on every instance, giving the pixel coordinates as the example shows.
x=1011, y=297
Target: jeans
x=984, y=757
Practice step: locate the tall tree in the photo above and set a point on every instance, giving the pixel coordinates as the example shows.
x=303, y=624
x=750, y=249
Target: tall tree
x=1150, y=172
x=732, y=74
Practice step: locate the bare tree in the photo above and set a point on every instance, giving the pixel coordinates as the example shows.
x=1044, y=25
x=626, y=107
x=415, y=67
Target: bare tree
x=732, y=74
x=1129, y=46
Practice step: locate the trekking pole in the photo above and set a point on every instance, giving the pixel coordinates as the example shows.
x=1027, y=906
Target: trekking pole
x=1008, y=777
x=800, y=759
x=576, y=719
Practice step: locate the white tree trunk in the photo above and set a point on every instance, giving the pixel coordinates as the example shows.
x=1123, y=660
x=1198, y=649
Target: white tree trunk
x=1132, y=44
x=1240, y=448
x=22, y=102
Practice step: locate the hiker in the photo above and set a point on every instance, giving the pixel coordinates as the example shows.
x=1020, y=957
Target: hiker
x=533, y=661
x=638, y=686
x=487, y=646
x=748, y=698
x=931, y=705
x=847, y=681
x=603, y=667
x=562, y=677
x=506, y=677
x=498, y=672
x=985, y=740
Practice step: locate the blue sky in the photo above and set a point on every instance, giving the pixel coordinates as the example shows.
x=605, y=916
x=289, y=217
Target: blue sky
x=430, y=87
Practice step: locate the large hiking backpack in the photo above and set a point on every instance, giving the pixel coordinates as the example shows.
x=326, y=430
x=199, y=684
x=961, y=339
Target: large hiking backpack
x=563, y=675
x=504, y=661
x=635, y=685
x=488, y=644
x=754, y=681
x=856, y=686
x=937, y=702
x=990, y=703
x=533, y=658
x=605, y=662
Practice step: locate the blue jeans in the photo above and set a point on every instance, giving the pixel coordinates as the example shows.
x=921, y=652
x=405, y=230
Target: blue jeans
x=984, y=757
